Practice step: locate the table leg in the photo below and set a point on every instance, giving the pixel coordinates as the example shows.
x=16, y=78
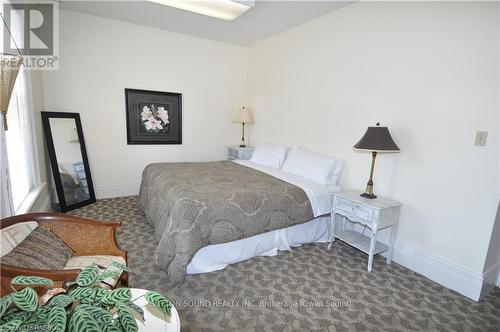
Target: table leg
x=372, y=249
x=392, y=239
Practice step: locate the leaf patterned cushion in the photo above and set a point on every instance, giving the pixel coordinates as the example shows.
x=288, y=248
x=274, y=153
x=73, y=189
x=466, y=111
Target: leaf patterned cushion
x=42, y=250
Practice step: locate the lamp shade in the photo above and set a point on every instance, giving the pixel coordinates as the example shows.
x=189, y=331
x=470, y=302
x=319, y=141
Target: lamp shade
x=377, y=139
x=243, y=115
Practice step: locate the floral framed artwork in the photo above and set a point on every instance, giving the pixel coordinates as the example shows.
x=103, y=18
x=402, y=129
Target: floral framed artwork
x=153, y=117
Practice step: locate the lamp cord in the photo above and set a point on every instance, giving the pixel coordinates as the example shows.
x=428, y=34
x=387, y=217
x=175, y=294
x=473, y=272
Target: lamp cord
x=10, y=34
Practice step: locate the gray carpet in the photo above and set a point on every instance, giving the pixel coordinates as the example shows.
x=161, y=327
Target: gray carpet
x=309, y=288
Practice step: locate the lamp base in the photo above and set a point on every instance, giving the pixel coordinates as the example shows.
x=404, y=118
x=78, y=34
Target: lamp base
x=369, y=186
x=243, y=146
x=369, y=196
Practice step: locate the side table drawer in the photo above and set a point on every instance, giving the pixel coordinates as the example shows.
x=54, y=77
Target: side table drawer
x=353, y=209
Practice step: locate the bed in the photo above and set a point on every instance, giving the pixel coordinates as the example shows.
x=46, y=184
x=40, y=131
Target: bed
x=217, y=257
x=210, y=214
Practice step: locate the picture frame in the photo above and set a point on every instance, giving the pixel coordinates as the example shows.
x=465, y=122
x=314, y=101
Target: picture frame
x=153, y=117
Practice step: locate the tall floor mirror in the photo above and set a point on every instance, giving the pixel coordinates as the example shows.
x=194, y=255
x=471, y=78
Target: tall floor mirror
x=68, y=159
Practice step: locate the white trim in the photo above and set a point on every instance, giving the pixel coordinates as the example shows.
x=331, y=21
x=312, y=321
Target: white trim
x=31, y=109
x=439, y=269
x=118, y=190
x=30, y=199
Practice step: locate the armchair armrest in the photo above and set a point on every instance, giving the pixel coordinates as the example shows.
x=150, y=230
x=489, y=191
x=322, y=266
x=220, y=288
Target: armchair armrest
x=8, y=272
x=55, y=275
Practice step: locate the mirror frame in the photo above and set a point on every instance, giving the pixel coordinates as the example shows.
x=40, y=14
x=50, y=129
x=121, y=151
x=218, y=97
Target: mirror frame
x=46, y=116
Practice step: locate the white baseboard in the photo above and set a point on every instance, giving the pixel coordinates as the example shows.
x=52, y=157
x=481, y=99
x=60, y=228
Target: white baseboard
x=116, y=190
x=439, y=269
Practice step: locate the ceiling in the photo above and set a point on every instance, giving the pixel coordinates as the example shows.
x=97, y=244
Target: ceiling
x=267, y=18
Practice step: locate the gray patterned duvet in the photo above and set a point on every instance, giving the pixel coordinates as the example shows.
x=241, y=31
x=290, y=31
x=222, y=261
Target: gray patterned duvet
x=192, y=205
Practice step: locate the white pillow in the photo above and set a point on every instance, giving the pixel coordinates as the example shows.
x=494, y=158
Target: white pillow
x=272, y=155
x=313, y=166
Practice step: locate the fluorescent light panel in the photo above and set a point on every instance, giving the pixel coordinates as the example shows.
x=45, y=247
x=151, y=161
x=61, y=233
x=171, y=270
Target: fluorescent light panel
x=222, y=9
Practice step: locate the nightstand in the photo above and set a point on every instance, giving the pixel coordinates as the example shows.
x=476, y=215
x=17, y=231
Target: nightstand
x=375, y=214
x=235, y=152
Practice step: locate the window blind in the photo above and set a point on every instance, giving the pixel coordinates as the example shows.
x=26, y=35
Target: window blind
x=19, y=139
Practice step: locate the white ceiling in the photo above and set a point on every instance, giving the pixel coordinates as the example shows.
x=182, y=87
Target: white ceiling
x=267, y=18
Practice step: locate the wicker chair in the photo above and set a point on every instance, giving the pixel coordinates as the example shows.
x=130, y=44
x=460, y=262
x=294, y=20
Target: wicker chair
x=85, y=237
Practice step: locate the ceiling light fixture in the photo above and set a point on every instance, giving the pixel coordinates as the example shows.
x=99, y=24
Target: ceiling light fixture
x=226, y=10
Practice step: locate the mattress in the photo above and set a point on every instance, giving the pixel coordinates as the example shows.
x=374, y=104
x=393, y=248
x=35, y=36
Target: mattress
x=218, y=256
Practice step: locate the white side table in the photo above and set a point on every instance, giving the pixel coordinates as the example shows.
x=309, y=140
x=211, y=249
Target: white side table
x=154, y=319
x=376, y=214
x=235, y=152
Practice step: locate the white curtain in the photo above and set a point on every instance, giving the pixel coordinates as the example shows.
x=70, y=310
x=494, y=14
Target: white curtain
x=9, y=68
x=6, y=201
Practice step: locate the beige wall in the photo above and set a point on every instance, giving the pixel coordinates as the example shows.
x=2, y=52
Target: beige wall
x=100, y=57
x=429, y=71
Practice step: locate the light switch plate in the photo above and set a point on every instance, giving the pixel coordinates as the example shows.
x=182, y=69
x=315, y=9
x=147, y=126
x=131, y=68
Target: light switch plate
x=481, y=137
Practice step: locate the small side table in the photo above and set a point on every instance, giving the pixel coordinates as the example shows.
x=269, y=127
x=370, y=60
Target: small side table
x=376, y=214
x=154, y=319
x=235, y=152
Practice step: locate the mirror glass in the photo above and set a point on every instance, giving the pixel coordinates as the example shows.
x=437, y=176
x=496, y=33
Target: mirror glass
x=68, y=160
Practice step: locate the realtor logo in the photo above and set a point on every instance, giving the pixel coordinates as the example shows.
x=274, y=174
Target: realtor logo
x=34, y=33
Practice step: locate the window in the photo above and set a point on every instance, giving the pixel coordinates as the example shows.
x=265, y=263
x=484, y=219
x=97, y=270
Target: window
x=19, y=138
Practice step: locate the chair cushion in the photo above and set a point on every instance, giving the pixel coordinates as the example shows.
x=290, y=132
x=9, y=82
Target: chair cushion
x=11, y=236
x=41, y=249
x=103, y=261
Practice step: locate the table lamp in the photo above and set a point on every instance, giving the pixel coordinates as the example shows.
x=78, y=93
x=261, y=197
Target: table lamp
x=243, y=116
x=376, y=139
